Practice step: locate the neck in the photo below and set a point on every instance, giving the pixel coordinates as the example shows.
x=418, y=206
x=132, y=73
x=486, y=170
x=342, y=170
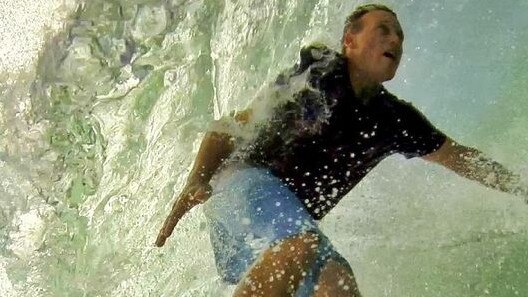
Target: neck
x=364, y=88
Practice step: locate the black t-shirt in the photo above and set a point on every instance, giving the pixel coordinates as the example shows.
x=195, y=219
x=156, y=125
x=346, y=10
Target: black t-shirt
x=325, y=140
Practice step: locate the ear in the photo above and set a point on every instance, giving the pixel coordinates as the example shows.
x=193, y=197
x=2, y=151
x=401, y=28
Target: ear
x=350, y=40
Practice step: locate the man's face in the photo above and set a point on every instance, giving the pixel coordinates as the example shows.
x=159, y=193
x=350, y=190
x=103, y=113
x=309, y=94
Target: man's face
x=376, y=49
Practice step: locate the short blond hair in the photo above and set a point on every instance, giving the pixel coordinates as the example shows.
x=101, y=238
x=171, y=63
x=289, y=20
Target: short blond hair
x=353, y=21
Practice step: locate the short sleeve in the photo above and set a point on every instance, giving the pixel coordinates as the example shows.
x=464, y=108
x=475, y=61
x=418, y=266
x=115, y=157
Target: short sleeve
x=416, y=136
x=313, y=53
x=290, y=106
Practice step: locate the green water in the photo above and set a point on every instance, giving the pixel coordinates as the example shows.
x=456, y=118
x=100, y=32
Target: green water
x=97, y=138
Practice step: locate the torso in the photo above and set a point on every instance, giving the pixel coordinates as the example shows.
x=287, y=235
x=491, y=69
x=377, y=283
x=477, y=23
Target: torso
x=336, y=139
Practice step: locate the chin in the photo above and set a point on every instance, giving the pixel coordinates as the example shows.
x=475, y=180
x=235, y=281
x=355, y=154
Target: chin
x=388, y=76
x=385, y=78
x=385, y=74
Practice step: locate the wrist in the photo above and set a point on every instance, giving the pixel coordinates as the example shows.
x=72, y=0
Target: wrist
x=198, y=179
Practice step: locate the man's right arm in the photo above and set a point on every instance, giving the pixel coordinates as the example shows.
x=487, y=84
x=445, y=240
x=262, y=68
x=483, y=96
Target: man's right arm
x=214, y=149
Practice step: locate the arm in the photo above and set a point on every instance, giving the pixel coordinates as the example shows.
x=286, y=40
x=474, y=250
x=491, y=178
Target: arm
x=214, y=149
x=472, y=164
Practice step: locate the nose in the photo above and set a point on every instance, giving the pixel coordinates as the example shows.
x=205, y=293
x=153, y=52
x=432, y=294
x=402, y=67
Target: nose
x=395, y=39
x=396, y=42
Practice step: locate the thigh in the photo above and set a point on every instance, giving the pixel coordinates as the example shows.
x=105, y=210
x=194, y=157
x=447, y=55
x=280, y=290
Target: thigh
x=323, y=276
x=302, y=265
x=250, y=211
x=280, y=269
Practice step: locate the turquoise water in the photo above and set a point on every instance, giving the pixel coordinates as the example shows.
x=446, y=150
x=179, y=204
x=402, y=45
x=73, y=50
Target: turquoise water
x=99, y=135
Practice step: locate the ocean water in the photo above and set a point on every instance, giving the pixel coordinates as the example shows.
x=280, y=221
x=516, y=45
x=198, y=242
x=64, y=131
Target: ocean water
x=103, y=105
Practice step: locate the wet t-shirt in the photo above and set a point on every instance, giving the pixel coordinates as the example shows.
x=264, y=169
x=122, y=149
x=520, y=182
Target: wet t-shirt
x=324, y=140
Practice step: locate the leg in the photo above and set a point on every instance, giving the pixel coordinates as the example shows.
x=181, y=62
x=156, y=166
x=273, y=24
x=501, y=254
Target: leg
x=252, y=213
x=336, y=280
x=280, y=268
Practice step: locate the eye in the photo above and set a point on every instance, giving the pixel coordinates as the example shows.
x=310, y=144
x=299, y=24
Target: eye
x=400, y=34
x=384, y=29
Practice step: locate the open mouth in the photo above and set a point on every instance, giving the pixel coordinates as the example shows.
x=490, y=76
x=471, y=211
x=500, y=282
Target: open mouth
x=390, y=55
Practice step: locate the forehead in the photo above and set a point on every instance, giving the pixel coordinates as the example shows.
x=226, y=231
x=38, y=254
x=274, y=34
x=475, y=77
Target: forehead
x=381, y=17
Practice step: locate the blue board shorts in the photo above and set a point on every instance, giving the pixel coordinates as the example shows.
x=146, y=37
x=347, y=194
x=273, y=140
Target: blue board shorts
x=248, y=212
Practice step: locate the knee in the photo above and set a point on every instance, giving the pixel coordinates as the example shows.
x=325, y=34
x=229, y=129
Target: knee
x=280, y=268
x=336, y=280
x=300, y=250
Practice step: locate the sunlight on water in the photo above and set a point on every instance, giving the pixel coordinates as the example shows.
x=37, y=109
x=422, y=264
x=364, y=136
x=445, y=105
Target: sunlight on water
x=101, y=118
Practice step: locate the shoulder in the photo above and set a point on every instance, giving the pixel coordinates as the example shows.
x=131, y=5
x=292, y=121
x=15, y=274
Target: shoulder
x=393, y=102
x=397, y=104
x=316, y=56
x=317, y=53
x=408, y=116
x=401, y=110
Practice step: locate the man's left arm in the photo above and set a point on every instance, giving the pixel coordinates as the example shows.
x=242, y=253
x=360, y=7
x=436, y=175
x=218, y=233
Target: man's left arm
x=473, y=164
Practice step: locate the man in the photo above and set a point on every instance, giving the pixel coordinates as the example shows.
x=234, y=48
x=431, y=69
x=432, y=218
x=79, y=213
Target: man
x=330, y=122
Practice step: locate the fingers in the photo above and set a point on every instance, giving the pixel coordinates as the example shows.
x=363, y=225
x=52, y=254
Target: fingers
x=165, y=232
x=169, y=225
x=183, y=204
x=160, y=241
x=179, y=209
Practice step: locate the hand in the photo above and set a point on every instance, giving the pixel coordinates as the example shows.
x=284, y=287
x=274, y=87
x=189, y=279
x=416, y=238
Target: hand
x=193, y=194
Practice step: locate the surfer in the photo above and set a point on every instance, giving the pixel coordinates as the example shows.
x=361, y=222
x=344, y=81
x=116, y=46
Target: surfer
x=268, y=192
